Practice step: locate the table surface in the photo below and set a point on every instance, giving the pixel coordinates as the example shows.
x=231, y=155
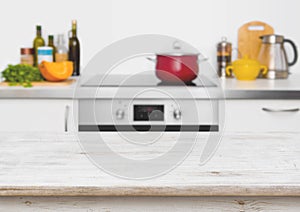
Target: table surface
x=245, y=164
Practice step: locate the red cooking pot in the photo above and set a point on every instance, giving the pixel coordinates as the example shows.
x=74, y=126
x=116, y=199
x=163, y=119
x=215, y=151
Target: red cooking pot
x=177, y=67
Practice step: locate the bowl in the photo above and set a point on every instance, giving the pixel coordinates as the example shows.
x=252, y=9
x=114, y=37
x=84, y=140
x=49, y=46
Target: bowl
x=246, y=69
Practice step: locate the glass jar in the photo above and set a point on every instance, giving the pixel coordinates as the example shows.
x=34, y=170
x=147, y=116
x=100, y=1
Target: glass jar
x=45, y=53
x=27, y=56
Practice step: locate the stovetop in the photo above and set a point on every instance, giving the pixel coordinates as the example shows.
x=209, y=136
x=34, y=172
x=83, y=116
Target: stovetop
x=141, y=80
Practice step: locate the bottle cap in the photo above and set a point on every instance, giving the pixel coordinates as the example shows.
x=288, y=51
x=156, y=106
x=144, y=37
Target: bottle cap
x=38, y=27
x=74, y=24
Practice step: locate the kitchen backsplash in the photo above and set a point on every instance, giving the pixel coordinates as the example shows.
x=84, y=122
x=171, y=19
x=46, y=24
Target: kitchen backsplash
x=201, y=23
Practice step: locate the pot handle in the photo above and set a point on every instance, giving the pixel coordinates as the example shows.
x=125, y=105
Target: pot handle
x=295, y=51
x=202, y=60
x=264, y=70
x=151, y=59
x=199, y=60
x=229, y=69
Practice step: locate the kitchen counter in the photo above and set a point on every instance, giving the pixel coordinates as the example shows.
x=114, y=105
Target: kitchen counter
x=263, y=88
x=38, y=92
x=232, y=89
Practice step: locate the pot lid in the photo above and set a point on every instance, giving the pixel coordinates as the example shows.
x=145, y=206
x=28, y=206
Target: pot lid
x=178, y=54
x=177, y=51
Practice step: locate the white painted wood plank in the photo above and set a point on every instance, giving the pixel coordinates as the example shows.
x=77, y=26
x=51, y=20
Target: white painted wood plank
x=245, y=164
x=140, y=204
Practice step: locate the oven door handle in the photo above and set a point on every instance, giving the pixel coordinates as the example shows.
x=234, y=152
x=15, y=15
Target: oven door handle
x=280, y=110
x=66, y=121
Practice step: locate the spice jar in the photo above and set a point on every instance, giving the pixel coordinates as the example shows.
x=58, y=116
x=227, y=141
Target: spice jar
x=27, y=56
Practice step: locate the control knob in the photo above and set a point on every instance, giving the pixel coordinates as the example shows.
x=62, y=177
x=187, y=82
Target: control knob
x=120, y=114
x=177, y=114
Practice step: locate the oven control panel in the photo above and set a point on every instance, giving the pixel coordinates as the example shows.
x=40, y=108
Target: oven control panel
x=141, y=112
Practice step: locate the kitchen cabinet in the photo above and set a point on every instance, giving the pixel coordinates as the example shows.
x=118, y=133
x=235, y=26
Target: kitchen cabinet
x=38, y=115
x=262, y=115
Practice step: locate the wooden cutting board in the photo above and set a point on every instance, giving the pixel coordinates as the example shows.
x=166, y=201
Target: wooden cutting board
x=46, y=83
x=248, y=38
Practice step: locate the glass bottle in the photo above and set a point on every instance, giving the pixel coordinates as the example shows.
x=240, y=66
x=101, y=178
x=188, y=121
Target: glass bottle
x=74, y=49
x=51, y=44
x=61, y=53
x=38, y=41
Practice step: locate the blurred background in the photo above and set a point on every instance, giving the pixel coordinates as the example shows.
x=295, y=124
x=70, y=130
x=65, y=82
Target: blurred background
x=198, y=22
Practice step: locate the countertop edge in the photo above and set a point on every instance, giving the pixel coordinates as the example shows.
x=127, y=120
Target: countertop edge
x=159, y=191
x=230, y=89
x=228, y=94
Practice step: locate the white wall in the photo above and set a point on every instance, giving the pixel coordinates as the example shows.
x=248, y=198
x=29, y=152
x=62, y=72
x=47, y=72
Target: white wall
x=199, y=22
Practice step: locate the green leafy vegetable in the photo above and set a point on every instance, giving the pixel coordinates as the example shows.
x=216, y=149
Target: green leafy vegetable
x=21, y=75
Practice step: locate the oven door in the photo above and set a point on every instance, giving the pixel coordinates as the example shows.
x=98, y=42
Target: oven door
x=143, y=138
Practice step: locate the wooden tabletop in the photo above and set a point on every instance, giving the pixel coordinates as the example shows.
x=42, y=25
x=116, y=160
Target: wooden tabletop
x=245, y=164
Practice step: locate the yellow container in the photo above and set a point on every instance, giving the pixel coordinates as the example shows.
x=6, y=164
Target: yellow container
x=246, y=69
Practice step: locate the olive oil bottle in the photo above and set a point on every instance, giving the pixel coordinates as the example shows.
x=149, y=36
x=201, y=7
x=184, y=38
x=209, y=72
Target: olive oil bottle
x=38, y=41
x=51, y=44
x=74, y=49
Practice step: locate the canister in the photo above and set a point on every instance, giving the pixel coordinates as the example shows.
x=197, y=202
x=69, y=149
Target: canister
x=45, y=53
